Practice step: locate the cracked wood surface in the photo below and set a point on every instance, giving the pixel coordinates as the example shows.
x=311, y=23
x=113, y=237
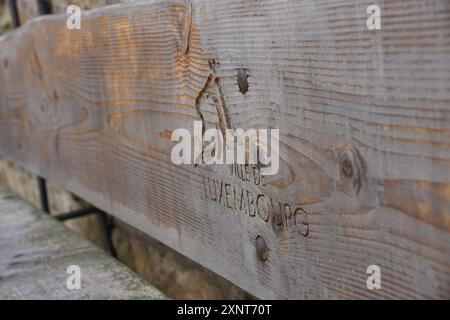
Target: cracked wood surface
x=364, y=119
x=36, y=250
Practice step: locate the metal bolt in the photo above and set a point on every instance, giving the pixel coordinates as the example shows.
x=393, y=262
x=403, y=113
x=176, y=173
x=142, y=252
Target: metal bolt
x=261, y=248
x=347, y=168
x=242, y=78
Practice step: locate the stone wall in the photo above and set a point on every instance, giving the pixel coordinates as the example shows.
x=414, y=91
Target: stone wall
x=172, y=273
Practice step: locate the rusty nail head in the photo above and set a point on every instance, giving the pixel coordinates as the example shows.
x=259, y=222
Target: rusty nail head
x=242, y=78
x=261, y=248
x=347, y=167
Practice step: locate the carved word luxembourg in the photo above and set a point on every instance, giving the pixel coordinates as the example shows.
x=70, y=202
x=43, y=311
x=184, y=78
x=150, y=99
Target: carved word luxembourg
x=240, y=147
x=281, y=215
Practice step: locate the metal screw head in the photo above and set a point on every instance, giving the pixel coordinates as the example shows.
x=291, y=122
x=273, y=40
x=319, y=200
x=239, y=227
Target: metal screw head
x=347, y=168
x=261, y=248
x=242, y=79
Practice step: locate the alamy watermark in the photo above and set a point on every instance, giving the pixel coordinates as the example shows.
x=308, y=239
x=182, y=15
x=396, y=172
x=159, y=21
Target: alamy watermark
x=73, y=22
x=374, y=280
x=233, y=146
x=73, y=282
x=374, y=20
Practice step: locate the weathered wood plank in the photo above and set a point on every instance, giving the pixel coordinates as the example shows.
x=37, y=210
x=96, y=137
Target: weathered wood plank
x=94, y=110
x=37, y=250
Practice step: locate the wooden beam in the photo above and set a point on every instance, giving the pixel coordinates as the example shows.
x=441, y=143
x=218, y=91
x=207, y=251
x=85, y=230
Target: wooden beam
x=364, y=119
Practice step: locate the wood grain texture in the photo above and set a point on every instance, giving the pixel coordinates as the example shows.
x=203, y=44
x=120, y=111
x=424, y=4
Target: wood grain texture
x=36, y=251
x=364, y=119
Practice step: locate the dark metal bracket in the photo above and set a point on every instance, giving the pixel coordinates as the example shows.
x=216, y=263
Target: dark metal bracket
x=103, y=218
x=14, y=13
x=45, y=6
x=78, y=214
x=43, y=194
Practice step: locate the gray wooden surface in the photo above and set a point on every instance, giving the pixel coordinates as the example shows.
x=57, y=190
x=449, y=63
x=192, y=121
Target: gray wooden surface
x=36, y=250
x=364, y=119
